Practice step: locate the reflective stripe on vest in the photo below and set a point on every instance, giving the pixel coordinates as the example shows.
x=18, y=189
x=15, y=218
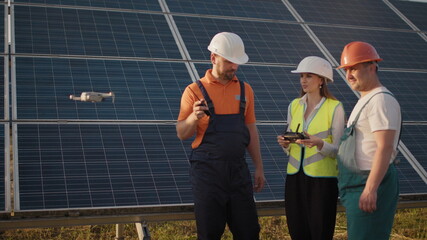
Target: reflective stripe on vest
x=314, y=164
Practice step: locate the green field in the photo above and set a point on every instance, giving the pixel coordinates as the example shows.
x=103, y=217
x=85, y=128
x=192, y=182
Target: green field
x=409, y=224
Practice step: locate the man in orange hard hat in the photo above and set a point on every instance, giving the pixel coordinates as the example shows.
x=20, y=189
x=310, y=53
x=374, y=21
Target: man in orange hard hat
x=367, y=179
x=219, y=110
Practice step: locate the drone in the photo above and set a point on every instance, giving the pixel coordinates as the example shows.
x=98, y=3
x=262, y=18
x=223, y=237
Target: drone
x=293, y=136
x=92, y=96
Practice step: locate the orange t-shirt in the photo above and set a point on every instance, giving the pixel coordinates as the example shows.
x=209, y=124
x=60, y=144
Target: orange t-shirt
x=225, y=98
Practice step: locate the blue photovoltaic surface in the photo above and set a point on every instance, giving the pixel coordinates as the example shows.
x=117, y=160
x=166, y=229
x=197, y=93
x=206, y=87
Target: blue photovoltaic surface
x=2, y=28
x=272, y=9
x=152, y=5
x=81, y=166
x=41, y=30
x=397, y=49
x=414, y=11
x=408, y=88
x=2, y=170
x=366, y=13
x=2, y=88
x=264, y=41
x=275, y=160
x=144, y=90
x=414, y=138
x=74, y=166
x=275, y=88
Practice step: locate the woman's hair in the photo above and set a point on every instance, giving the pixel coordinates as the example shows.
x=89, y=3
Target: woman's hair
x=324, y=91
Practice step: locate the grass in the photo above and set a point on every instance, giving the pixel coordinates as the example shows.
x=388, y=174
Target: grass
x=408, y=224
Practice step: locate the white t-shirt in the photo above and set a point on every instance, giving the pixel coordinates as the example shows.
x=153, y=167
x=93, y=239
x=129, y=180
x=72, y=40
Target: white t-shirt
x=381, y=113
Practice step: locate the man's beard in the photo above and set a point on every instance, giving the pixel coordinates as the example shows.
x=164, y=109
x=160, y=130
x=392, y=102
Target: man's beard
x=229, y=75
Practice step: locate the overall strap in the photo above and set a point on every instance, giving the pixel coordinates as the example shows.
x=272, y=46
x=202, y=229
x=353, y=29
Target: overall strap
x=242, y=97
x=206, y=96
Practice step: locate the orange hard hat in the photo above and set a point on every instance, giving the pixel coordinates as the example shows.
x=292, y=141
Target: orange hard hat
x=358, y=52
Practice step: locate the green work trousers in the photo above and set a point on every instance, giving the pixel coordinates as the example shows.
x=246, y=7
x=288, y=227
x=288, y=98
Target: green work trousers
x=363, y=225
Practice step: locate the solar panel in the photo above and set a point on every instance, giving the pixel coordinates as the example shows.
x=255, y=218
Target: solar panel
x=59, y=31
x=412, y=136
x=271, y=9
x=275, y=87
x=267, y=42
x=398, y=49
x=2, y=92
x=408, y=87
x=414, y=11
x=2, y=27
x=3, y=183
x=126, y=153
x=143, y=90
x=84, y=166
x=357, y=13
x=152, y=5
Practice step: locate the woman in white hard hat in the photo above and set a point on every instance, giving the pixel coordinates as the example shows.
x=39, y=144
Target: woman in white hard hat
x=311, y=184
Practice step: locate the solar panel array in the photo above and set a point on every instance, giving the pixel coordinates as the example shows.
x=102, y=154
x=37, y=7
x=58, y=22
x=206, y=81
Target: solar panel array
x=125, y=153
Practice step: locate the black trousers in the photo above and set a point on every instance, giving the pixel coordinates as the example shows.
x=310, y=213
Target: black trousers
x=311, y=206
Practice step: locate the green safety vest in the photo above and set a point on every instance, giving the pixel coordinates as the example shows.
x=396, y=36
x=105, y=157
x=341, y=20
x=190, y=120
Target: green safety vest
x=314, y=164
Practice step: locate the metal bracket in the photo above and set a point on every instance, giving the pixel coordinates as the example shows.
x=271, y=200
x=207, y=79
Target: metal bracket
x=143, y=233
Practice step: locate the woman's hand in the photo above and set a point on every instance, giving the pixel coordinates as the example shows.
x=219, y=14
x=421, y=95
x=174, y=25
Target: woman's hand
x=312, y=141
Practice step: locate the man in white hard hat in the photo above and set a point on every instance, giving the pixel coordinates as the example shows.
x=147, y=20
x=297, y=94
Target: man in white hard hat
x=219, y=110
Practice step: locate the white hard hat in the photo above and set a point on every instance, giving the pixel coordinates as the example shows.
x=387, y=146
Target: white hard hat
x=316, y=65
x=229, y=46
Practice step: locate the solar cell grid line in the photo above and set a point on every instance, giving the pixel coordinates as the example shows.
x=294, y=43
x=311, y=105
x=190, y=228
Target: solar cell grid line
x=275, y=87
x=265, y=42
x=363, y=13
x=151, y=5
x=56, y=31
x=400, y=50
x=143, y=90
x=272, y=9
x=414, y=11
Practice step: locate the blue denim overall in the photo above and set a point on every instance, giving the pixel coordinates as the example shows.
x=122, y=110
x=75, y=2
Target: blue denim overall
x=221, y=181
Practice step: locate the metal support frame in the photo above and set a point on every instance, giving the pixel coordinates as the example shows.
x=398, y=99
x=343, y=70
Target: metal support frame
x=119, y=232
x=143, y=233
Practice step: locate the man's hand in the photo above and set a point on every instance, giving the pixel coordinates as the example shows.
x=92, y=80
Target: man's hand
x=199, y=109
x=368, y=201
x=259, y=180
